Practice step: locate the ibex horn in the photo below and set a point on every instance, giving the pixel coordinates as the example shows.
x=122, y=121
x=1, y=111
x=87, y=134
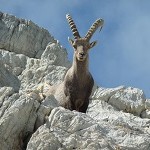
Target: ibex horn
x=72, y=26
x=98, y=23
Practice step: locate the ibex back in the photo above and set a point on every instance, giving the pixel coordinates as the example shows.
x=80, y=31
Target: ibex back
x=74, y=92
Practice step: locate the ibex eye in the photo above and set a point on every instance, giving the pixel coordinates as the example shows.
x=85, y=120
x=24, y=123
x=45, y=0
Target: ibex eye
x=75, y=46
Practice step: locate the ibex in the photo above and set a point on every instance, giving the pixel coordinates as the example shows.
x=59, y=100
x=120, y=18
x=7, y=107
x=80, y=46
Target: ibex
x=74, y=92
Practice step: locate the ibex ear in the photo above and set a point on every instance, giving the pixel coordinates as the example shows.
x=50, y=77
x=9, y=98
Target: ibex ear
x=93, y=44
x=71, y=41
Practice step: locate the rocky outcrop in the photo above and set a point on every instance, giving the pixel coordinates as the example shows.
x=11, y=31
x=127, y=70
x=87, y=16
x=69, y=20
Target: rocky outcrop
x=69, y=130
x=117, y=118
x=20, y=35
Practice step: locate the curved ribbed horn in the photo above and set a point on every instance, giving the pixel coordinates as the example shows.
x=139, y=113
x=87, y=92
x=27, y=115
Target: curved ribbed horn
x=73, y=26
x=98, y=23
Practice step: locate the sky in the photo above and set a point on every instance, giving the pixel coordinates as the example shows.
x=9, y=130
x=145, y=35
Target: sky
x=122, y=55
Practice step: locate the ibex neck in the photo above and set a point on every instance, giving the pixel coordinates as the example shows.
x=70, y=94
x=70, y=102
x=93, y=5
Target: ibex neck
x=79, y=66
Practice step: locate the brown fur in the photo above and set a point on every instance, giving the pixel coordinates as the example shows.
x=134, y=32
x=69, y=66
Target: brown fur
x=74, y=92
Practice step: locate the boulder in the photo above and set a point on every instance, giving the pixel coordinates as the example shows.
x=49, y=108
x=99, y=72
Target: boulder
x=22, y=36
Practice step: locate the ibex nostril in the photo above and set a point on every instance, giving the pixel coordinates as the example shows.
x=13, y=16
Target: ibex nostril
x=82, y=54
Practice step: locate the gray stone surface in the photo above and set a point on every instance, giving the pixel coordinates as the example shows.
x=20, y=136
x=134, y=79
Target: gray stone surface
x=125, y=129
x=116, y=119
x=7, y=78
x=69, y=130
x=22, y=36
x=17, y=119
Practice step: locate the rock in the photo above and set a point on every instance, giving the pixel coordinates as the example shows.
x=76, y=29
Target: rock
x=129, y=100
x=37, y=74
x=20, y=115
x=147, y=104
x=69, y=130
x=117, y=118
x=17, y=121
x=8, y=79
x=105, y=93
x=145, y=114
x=15, y=63
x=54, y=54
x=22, y=36
x=126, y=130
x=47, y=105
x=5, y=92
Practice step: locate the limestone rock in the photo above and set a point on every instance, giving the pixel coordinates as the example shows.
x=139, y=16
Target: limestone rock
x=8, y=79
x=55, y=54
x=17, y=121
x=15, y=63
x=130, y=100
x=20, y=115
x=106, y=93
x=125, y=129
x=69, y=130
x=47, y=105
x=22, y=36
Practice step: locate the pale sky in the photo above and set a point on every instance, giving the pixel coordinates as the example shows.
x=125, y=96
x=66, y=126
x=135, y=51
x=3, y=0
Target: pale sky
x=122, y=55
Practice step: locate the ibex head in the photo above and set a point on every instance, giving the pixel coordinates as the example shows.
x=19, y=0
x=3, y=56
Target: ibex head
x=82, y=45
